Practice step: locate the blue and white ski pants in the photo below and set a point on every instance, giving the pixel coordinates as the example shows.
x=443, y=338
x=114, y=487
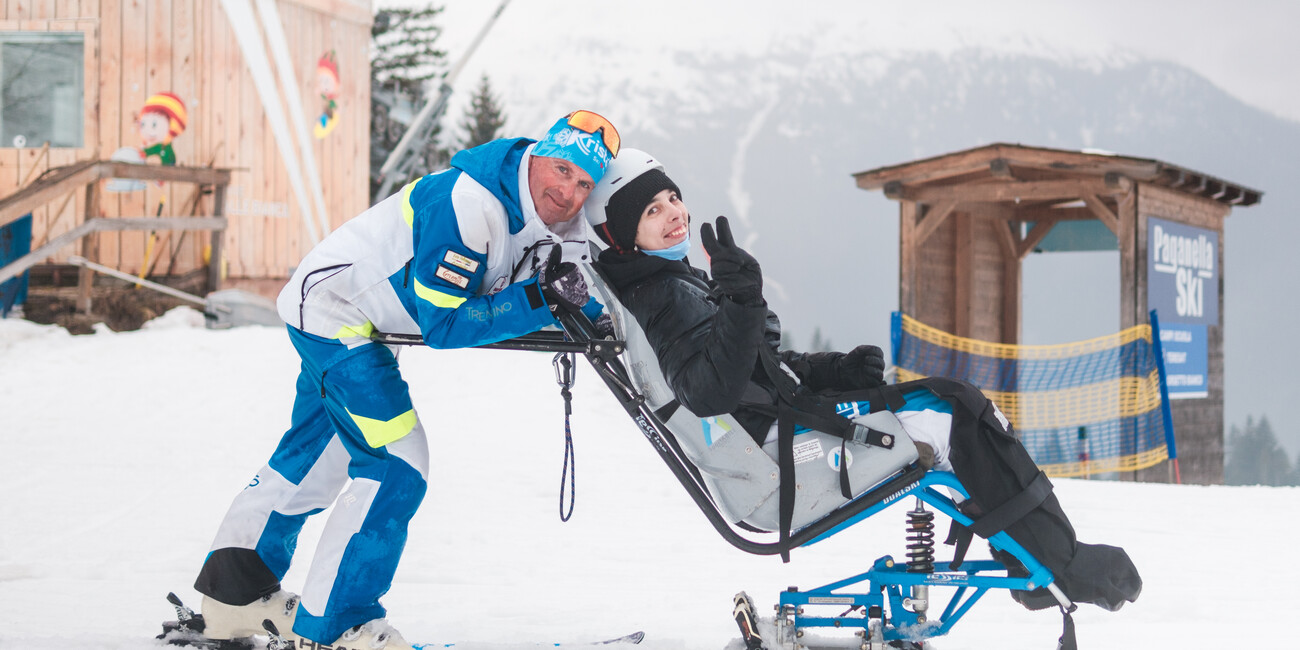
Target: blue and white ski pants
x=352, y=419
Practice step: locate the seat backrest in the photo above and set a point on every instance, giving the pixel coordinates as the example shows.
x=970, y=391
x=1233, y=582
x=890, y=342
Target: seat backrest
x=736, y=471
x=741, y=475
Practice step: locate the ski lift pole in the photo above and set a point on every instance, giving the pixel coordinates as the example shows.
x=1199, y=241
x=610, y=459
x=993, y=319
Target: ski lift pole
x=399, y=162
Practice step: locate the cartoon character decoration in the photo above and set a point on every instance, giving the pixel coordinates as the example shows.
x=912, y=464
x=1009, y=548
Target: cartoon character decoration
x=162, y=119
x=327, y=84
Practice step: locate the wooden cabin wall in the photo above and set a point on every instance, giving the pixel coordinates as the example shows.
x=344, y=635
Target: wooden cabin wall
x=137, y=48
x=961, y=276
x=1198, y=423
x=935, y=279
x=987, y=284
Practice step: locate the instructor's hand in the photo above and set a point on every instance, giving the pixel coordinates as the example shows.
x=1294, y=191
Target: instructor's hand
x=735, y=271
x=562, y=283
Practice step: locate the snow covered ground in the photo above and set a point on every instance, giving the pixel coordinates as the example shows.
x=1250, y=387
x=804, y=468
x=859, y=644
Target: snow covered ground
x=119, y=453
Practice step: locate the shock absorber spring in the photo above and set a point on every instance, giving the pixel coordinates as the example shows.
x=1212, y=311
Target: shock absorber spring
x=920, y=539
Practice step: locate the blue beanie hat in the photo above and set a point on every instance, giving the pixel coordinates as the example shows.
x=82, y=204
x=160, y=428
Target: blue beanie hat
x=586, y=150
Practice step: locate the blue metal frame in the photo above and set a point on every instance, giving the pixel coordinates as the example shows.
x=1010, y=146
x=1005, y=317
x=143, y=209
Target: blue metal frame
x=888, y=579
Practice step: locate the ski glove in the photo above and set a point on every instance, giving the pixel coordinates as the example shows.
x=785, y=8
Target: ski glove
x=861, y=367
x=562, y=283
x=735, y=271
x=604, y=327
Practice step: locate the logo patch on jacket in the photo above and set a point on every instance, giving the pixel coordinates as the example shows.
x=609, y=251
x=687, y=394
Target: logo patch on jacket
x=456, y=259
x=452, y=276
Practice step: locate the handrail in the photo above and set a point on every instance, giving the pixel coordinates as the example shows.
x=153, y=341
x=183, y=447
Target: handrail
x=101, y=224
x=65, y=179
x=59, y=181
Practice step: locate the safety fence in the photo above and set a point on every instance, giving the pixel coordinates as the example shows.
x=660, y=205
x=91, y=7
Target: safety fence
x=1083, y=408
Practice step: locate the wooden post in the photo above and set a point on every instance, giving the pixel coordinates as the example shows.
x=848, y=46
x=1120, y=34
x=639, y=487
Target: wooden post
x=907, y=280
x=89, y=250
x=218, y=238
x=963, y=274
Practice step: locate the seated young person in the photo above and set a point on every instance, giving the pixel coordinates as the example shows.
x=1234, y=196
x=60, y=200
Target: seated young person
x=717, y=342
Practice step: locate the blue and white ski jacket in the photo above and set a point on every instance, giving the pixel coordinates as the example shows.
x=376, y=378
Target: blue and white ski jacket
x=452, y=257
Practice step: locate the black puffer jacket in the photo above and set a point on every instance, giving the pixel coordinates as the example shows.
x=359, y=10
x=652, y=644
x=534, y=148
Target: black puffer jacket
x=706, y=343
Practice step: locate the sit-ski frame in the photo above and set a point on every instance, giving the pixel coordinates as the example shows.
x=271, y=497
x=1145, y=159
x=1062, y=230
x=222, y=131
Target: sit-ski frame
x=896, y=604
x=887, y=612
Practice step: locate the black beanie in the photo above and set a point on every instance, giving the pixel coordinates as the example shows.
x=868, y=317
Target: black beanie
x=623, y=212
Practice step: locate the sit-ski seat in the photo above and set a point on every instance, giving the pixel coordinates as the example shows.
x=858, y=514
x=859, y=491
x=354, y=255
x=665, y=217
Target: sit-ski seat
x=743, y=477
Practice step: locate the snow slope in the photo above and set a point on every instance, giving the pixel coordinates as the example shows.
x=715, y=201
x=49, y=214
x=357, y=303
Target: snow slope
x=119, y=453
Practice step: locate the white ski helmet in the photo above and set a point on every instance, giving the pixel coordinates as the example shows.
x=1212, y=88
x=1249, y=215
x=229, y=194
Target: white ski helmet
x=629, y=164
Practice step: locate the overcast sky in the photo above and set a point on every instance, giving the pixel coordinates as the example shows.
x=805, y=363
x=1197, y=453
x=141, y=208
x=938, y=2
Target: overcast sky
x=1247, y=47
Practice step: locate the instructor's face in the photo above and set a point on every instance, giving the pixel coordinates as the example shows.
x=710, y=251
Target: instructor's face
x=558, y=188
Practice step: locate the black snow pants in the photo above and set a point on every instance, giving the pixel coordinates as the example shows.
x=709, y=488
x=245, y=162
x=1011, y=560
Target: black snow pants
x=1009, y=492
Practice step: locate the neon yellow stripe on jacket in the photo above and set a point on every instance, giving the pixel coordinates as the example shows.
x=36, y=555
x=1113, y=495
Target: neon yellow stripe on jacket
x=438, y=298
x=408, y=210
x=381, y=432
x=364, y=331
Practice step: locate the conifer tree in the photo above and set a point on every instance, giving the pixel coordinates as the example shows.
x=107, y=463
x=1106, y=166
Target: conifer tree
x=819, y=344
x=405, y=55
x=484, y=120
x=1254, y=456
x=404, y=61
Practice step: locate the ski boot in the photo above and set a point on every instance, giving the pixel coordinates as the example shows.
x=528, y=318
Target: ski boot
x=747, y=622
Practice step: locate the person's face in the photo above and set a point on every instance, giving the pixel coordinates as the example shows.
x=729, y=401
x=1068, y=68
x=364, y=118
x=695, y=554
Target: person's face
x=664, y=223
x=558, y=188
x=153, y=128
x=326, y=84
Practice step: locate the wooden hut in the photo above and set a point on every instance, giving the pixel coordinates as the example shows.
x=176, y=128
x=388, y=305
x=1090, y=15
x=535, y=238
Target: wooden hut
x=276, y=92
x=967, y=220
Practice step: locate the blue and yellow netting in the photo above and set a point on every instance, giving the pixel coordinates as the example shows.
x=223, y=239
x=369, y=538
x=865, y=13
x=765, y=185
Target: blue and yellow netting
x=1082, y=408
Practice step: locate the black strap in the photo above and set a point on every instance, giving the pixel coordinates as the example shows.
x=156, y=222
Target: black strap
x=960, y=537
x=1013, y=509
x=667, y=410
x=1067, y=640
x=846, y=490
x=889, y=398
x=785, y=464
x=805, y=409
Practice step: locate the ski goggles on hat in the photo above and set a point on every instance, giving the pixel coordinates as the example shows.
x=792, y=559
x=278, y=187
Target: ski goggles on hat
x=593, y=124
x=583, y=138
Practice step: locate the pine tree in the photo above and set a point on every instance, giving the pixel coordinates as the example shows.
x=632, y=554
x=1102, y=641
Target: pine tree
x=405, y=56
x=484, y=120
x=404, y=59
x=819, y=344
x=1254, y=456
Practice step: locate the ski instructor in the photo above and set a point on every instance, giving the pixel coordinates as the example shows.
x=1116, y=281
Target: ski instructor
x=478, y=253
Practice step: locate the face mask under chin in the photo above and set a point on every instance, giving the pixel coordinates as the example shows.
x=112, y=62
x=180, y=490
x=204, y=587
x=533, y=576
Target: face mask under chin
x=676, y=252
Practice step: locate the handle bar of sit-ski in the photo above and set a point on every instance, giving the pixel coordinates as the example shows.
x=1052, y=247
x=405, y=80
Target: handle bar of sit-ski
x=544, y=341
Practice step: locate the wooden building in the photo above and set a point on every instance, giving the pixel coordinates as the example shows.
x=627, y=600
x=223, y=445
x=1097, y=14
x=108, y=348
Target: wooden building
x=967, y=220
x=276, y=91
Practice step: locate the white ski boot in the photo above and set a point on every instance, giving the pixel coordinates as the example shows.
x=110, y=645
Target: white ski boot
x=375, y=635
x=224, y=621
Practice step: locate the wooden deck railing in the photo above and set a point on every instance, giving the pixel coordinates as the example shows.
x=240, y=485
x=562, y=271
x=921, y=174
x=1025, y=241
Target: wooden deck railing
x=88, y=173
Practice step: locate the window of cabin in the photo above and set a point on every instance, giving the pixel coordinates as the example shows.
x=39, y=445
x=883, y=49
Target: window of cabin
x=42, y=96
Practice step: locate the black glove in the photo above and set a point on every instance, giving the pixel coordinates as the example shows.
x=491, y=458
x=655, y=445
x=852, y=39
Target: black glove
x=861, y=367
x=604, y=327
x=736, y=272
x=562, y=283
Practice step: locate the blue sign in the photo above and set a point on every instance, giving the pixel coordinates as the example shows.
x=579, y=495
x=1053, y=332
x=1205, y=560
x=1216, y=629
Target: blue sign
x=1182, y=272
x=1187, y=366
x=15, y=242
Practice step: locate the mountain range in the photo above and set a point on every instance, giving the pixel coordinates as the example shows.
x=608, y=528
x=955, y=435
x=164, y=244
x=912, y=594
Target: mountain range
x=771, y=138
